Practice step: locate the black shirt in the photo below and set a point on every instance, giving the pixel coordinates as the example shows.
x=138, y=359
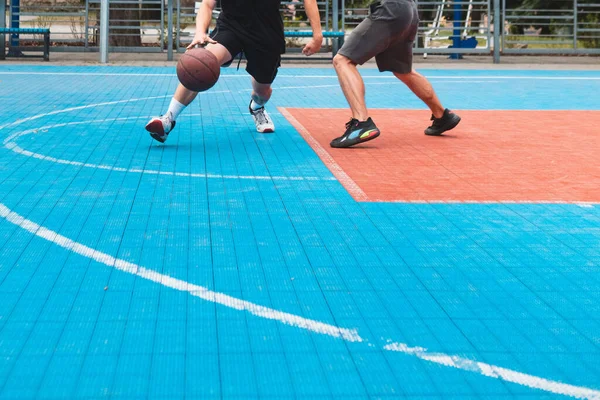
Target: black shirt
x=258, y=22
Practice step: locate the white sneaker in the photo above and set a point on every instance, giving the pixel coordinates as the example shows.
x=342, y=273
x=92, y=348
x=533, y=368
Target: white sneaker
x=262, y=120
x=159, y=127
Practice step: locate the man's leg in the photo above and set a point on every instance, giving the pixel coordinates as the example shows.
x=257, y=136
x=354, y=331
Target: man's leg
x=262, y=66
x=361, y=128
x=443, y=119
x=159, y=127
x=421, y=87
x=365, y=42
x=352, y=86
x=398, y=58
x=261, y=93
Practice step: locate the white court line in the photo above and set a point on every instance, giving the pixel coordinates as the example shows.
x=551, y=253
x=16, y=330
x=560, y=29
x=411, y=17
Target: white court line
x=337, y=171
x=10, y=144
x=165, y=280
x=520, y=110
x=350, y=335
x=584, y=204
x=65, y=110
x=497, y=372
x=339, y=174
x=448, y=80
x=98, y=74
x=366, y=83
x=467, y=77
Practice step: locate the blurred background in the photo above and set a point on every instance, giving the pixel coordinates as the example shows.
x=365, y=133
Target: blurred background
x=452, y=28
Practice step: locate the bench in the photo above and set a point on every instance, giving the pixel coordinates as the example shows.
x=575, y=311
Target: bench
x=339, y=36
x=37, y=31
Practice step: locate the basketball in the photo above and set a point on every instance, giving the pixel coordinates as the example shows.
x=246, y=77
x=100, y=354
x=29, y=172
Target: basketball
x=198, y=69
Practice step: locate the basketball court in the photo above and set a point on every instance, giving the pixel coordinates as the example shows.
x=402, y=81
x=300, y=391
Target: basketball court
x=226, y=264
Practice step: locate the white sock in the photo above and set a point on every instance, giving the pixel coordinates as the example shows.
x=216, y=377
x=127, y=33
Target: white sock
x=175, y=108
x=255, y=106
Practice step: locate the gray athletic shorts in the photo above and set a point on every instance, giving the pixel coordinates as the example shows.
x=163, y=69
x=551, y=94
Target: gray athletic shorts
x=387, y=34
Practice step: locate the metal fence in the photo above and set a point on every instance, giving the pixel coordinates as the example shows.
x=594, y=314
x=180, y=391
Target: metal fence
x=134, y=25
x=292, y=13
x=455, y=27
x=569, y=27
x=449, y=27
x=67, y=25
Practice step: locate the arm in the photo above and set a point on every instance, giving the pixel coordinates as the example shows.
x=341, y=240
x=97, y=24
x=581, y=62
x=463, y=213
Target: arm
x=202, y=23
x=312, y=12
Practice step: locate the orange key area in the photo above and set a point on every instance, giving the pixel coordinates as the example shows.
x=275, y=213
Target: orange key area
x=491, y=156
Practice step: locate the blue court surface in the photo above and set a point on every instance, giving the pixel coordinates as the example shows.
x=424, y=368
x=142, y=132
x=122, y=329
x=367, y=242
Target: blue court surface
x=226, y=264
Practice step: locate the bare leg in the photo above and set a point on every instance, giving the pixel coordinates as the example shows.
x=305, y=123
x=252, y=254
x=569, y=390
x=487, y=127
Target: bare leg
x=159, y=127
x=352, y=85
x=261, y=92
x=421, y=87
x=186, y=96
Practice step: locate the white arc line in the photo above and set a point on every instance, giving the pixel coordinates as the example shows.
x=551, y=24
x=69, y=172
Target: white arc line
x=494, y=371
x=350, y=335
x=19, y=150
x=366, y=83
x=177, y=284
x=20, y=121
x=10, y=144
x=108, y=103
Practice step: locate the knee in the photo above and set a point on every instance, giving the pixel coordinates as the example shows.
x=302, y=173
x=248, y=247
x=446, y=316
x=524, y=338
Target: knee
x=263, y=92
x=406, y=77
x=341, y=61
x=221, y=53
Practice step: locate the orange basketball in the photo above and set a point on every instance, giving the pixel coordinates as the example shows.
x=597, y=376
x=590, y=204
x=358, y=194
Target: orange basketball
x=198, y=69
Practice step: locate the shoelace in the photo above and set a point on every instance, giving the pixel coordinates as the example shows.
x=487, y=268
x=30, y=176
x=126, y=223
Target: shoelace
x=436, y=121
x=260, y=116
x=351, y=123
x=168, y=117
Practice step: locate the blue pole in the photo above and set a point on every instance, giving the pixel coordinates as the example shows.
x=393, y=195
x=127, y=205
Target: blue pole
x=456, y=33
x=14, y=21
x=2, y=23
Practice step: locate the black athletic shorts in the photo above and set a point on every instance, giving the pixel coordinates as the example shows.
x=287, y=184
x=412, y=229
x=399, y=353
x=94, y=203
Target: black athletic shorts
x=387, y=34
x=262, y=62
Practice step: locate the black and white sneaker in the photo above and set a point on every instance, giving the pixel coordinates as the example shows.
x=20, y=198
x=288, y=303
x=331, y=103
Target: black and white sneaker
x=263, y=122
x=159, y=127
x=440, y=125
x=356, y=132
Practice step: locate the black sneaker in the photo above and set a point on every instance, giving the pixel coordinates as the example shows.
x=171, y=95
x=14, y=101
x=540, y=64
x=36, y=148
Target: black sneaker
x=440, y=125
x=356, y=132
